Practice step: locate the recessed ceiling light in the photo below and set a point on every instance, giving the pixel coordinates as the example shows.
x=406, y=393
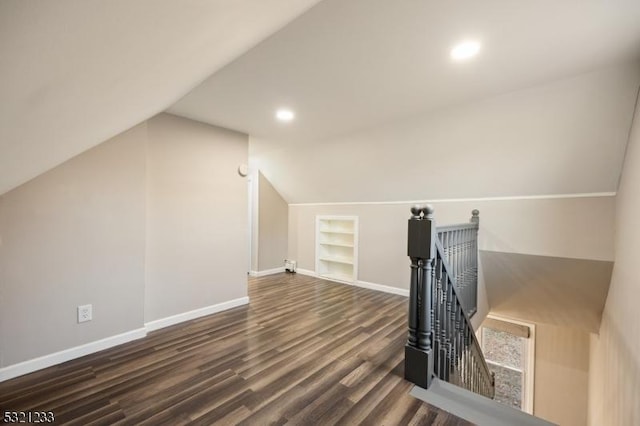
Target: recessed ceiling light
x=285, y=115
x=465, y=50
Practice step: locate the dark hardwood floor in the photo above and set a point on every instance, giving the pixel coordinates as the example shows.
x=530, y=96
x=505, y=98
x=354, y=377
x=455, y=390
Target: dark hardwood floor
x=305, y=351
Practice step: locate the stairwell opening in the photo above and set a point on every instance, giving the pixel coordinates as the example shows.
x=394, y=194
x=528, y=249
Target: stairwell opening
x=509, y=349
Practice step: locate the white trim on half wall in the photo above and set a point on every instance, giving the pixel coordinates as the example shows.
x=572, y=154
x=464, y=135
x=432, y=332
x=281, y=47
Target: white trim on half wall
x=463, y=200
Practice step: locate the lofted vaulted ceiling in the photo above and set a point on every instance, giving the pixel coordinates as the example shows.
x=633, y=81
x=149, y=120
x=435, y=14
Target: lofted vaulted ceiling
x=545, y=108
x=348, y=65
x=74, y=73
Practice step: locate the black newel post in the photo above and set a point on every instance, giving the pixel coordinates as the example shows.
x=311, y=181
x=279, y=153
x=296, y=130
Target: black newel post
x=418, y=353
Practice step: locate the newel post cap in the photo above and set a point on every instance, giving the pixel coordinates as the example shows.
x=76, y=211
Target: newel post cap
x=422, y=211
x=475, y=216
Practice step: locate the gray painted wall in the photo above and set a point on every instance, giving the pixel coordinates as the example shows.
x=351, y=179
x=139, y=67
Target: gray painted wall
x=614, y=379
x=254, y=211
x=72, y=236
x=197, y=229
x=545, y=227
x=149, y=224
x=544, y=289
x=273, y=213
x=561, y=375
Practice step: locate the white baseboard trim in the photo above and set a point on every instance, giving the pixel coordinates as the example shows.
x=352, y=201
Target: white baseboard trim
x=381, y=287
x=45, y=361
x=363, y=284
x=196, y=313
x=267, y=272
x=306, y=272
x=253, y=273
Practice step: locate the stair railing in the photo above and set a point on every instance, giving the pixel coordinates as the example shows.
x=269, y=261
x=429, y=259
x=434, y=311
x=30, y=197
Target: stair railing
x=441, y=341
x=460, y=248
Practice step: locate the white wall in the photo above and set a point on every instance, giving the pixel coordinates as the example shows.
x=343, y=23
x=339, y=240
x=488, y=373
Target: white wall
x=562, y=137
x=73, y=236
x=197, y=228
x=614, y=379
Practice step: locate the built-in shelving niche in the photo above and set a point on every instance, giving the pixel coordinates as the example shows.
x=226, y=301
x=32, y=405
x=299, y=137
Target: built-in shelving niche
x=337, y=247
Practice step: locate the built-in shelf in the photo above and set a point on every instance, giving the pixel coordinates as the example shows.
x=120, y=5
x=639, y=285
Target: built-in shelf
x=337, y=247
x=346, y=261
x=336, y=231
x=337, y=244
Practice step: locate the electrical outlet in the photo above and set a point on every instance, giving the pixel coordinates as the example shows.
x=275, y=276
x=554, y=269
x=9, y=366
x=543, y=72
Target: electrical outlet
x=85, y=313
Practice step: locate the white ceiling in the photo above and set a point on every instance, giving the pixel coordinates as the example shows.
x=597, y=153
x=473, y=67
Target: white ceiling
x=74, y=73
x=349, y=65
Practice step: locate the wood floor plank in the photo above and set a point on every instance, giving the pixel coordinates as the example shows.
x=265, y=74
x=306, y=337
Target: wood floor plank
x=217, y=412
x=304, y=352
